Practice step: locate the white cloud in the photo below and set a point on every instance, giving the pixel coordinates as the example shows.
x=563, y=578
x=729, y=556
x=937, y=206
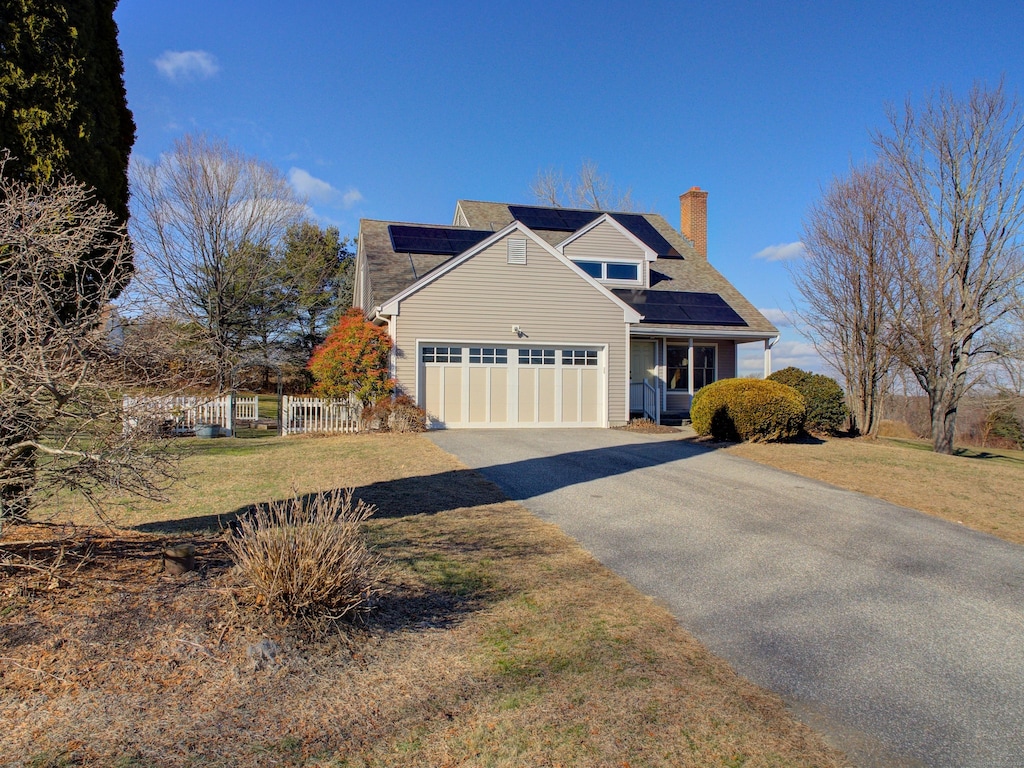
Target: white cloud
x=781, y=252
x=320, y=191
x=181, y=66
x=310, y=186
x=776, y=317
x=351, y=197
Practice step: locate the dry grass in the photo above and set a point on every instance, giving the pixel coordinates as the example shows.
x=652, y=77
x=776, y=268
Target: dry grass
x=646, y=425
x=977, y=488
x=501, y=643
x=890, y=428
x=307, y=559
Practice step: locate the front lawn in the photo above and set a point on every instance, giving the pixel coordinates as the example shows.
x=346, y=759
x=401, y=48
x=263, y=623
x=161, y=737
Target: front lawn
x=501, y=643
x=979, y=488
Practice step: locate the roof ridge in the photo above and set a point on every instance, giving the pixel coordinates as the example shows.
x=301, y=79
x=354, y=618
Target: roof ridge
x=415, y=224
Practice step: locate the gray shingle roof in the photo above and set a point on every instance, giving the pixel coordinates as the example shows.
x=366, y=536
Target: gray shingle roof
x=390, y=273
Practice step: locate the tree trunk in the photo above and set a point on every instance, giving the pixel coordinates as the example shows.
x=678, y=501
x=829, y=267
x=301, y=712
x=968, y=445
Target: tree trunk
x=17, y=483
x=943, y=418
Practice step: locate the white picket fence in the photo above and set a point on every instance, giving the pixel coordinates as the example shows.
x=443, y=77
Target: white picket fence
x=180, y=414
x=314, y=414
x=247, y=409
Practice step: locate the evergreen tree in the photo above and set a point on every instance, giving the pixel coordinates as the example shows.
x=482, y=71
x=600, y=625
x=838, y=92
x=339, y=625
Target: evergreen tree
x=63, y=108
x=318, y=264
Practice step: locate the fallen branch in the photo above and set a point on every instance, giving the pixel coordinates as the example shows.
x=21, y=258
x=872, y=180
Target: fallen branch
x=29, y=567
x=18, y=664
x=202, y=648
x=35, y=542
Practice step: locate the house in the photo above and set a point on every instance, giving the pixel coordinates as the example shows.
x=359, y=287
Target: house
x=530, y=316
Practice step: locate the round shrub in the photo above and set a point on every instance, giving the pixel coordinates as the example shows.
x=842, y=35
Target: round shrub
x=826, y=402
x=759, y=410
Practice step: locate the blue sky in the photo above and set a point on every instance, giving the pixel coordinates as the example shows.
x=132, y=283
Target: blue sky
x=394, y=110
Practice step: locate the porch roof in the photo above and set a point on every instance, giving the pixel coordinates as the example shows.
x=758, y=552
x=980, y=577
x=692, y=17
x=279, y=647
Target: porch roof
x=681, y=308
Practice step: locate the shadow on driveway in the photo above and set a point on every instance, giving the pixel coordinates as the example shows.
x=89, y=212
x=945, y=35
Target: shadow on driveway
x=455, y=489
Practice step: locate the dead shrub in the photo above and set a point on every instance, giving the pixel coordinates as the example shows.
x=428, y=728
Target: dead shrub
x=399, y=414
x=307, y=557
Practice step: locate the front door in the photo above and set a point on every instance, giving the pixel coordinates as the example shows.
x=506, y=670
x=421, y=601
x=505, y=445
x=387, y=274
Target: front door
x=642, y=369
x=641, y=362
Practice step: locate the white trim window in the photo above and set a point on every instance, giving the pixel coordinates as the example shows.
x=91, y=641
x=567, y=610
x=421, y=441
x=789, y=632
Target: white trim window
x=677, y=366
x=442, y=354
x=612, y=271
x=529, y=356
x=488, y=355
x=579, y=357
x=705, y=365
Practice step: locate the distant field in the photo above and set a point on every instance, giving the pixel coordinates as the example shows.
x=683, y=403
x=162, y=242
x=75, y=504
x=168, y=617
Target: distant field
x=979, y=488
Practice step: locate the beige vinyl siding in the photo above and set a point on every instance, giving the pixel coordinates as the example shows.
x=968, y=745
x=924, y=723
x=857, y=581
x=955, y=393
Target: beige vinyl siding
x=603, y=242
x=482, y=299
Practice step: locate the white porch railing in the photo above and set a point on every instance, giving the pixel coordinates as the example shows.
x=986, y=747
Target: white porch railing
x=643, y=398
x=314, y=414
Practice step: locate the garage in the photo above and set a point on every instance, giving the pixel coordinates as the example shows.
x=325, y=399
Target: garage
x=465, y=385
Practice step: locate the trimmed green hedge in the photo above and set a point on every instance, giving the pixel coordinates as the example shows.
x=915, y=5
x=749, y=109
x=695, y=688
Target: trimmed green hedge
x=759, y=410
x=826, y=402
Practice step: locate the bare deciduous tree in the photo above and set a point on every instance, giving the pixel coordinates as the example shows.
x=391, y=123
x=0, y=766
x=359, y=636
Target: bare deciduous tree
x=204, y=219
x=958, y=164
x=589, y=188
x=854, y=238
x=62, y=369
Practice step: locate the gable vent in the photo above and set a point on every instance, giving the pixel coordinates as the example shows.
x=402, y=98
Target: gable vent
x=516, y=251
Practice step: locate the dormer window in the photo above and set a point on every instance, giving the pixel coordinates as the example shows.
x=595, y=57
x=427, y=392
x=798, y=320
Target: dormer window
x=611, y=271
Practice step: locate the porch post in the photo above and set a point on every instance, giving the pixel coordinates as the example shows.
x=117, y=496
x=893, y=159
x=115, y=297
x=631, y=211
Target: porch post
x=662, y=347
x=767, y=358
x=689, y=368
x=658, y=388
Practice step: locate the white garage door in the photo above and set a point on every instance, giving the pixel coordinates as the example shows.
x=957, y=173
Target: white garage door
x=478, y=386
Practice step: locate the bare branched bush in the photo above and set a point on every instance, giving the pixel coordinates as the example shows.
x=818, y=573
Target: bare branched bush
x=400, y=414
x=307, y=557
x=63, y=362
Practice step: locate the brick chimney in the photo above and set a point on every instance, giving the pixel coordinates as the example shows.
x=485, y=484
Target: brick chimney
x=693, y=218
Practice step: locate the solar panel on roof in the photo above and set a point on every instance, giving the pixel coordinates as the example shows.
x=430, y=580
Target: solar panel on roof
x=681, y=307
x=577, y=219
x=443, y=241
x=639, y=226
x=570, y=220
x=557, y=219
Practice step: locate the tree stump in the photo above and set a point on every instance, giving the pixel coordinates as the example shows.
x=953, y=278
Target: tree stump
x=180, y=559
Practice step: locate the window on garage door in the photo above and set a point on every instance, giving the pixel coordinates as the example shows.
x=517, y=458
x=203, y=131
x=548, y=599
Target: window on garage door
x=579, y=357
x=488, y=355
x=536, y=356
x=442, y=354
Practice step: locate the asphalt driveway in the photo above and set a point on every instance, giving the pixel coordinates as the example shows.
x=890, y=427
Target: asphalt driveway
x=899, y=636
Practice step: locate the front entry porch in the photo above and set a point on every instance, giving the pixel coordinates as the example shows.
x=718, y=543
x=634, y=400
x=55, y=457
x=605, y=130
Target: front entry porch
x=665, y=372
